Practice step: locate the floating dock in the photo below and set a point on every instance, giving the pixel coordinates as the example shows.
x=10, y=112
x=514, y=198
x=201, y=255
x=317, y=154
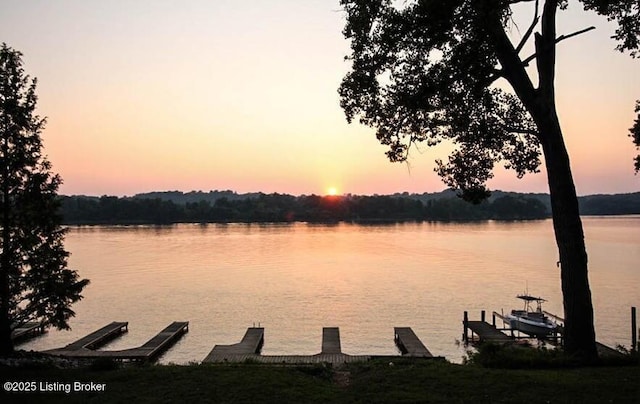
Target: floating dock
x=249, y=350
x=331, y=349
x=27, y=331
x=99, y=337
x=157, y=345
x=250, y=345
x=409, y=343
x=331, y=341
x=85, y=347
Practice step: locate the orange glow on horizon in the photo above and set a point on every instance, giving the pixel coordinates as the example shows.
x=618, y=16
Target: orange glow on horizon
x=332, y=191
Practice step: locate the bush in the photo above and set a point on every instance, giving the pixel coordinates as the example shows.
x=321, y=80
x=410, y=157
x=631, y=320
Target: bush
x=103, y=364
x=520, y=357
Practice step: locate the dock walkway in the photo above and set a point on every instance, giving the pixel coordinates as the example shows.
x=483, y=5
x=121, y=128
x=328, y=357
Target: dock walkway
x=331, y=340
x=331, y=351
x=485, y=333
x=99, y=337
x=27, y=331
x=409, y=343
x=250, y=345
x=249, y=350
x=85, y=347
x=156, y=345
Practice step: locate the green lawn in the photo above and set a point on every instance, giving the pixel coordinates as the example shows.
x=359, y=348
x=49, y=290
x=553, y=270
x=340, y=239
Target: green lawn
x=371, y=382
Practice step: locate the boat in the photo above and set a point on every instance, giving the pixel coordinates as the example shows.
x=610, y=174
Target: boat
x=529, y=321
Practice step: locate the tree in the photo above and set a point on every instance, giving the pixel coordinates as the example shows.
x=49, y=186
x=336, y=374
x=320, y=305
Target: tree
x=431, y=71
x=634, y=132
x=35, y=283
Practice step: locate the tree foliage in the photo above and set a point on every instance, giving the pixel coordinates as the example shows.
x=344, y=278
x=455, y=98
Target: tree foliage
x=428, y=71
x=35, y=283
x=634, y=132
x=424, y=73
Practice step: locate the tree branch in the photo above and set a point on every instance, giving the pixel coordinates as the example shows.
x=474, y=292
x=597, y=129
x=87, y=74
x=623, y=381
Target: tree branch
x=512, y=129
x=497, y=73
x=526, y=61
x=527, y=34
x=582, y=31
x=512, y=68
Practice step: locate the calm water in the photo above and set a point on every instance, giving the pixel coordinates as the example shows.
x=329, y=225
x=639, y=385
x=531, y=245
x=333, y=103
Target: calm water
x=294, y=279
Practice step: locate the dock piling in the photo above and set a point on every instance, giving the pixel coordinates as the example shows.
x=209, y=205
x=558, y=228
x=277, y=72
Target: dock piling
x=634, y=328
x=465, y=327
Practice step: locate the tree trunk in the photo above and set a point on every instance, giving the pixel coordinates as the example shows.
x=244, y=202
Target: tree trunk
x=6, y=343
x=579, y=333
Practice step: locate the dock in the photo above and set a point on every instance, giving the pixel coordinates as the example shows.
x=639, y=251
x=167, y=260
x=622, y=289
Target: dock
x=481, y=331
x=331, y=350
x=409, y=343
x=156, y=345
x=250, y=345
x=249, y=350
x=331, y=340
x=86, y=346
x=99, y=337
x=27, y=331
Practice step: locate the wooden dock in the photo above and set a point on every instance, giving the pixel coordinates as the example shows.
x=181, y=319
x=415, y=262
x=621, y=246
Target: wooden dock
x=331, y=351
x=85, y=347
x=27, y=331
x=409, y=343
x=481, y=331
x=331, y=341
x=99, y=337
x=249, y=350
x=156, y=345
x=250, y=345
x=333, y=359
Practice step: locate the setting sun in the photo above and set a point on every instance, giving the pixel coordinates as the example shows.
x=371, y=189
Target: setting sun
x=332, y=191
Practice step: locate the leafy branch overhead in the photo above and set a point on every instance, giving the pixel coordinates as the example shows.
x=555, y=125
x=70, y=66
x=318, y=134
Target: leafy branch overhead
x=427, y=72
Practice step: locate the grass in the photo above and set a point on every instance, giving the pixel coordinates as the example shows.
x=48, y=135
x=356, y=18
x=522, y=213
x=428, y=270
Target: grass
x=376, y=381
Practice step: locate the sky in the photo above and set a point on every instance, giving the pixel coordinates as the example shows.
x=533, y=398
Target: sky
x=158, y=95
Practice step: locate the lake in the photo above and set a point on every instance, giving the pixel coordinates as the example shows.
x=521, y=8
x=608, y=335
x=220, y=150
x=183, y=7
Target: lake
x=294, y=279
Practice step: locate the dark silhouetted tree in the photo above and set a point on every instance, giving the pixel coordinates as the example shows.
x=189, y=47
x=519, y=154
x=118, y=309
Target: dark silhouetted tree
x=634, y=132
x=427, y=71
x=35, y=283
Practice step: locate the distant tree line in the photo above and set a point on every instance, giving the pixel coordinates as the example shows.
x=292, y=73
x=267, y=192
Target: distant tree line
x=287, y=208
x=228, y=206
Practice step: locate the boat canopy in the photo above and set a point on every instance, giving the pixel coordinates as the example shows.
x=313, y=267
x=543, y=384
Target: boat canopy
x=529, y=298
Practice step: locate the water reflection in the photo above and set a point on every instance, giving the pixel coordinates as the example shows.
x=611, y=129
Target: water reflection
x=296, y=278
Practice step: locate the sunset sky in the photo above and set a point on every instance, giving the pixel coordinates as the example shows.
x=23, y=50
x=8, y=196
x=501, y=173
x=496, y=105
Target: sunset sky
x=153, y=95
